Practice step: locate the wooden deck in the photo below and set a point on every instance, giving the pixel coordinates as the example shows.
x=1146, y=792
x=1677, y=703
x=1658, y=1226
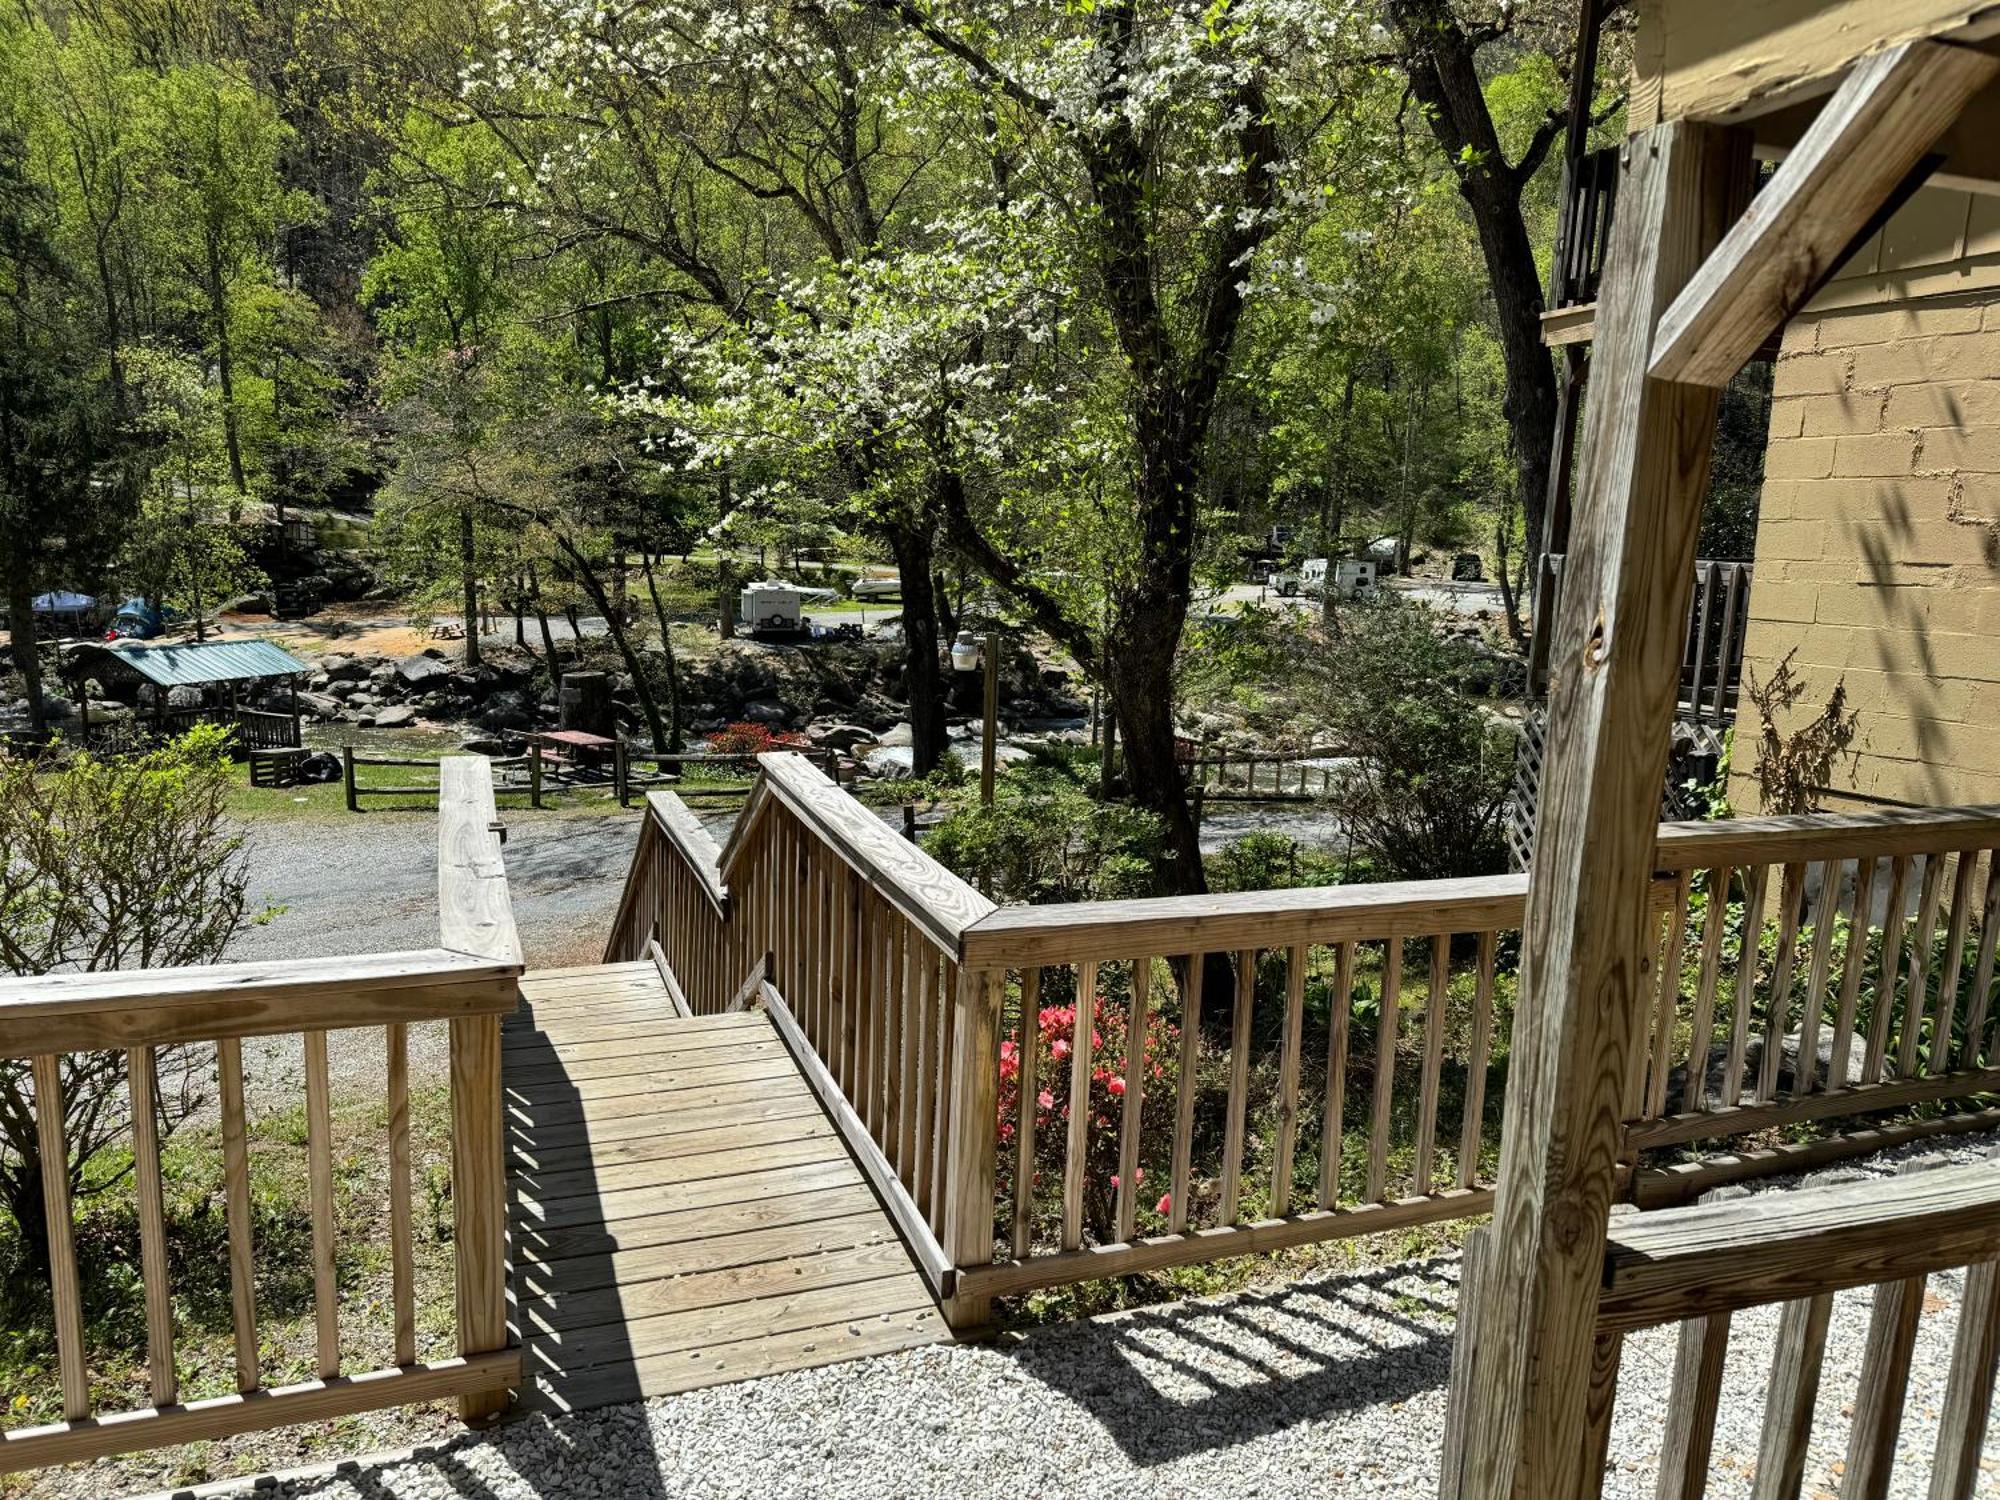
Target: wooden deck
x=682, y=1211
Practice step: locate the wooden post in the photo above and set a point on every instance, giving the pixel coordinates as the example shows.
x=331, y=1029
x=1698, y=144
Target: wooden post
x=973, y=1073
x=1586, y=960
x=535, y=773
x=620, y=773
x=479, y=1199
x=347, y=777
x=991, y=730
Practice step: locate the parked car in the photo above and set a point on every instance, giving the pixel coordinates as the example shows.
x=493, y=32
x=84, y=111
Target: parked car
x=879, y=586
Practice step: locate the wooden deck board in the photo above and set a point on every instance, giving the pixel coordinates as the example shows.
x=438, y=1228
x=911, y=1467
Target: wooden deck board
x=683, y=1213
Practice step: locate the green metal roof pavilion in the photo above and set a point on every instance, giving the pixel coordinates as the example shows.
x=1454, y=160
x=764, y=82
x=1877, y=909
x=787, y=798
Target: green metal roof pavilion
x=190, y=664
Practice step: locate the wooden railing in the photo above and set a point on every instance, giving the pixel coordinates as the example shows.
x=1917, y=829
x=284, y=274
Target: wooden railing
x=1263, y=775
x=1711, y=651
x=861, y=932
x=1339, y=1084
x=259, y=729
x=469, y=980
x=670, y=768
x=1590, y=186
x=1698, y=1266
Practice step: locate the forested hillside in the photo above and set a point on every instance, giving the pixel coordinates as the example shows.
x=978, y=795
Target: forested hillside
x=1072, y=297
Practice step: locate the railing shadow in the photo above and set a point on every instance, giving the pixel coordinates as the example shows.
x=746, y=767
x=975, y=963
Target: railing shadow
x=560, y=1266
x=1170, y=1382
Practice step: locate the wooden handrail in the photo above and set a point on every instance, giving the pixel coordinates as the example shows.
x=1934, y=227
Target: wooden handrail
x=474, y=912
x=210, y=1002
x=1814, y=836
x=696, y=844
x=1066, y=933
x=1680, y=1263
x=944, y=907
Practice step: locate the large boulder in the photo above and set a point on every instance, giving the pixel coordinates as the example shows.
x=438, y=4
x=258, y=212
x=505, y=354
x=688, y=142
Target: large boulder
x=766, y=711
x=423, y=670
x=399, y=717
x=507, y=710
x=321, y=705
x=344, y=668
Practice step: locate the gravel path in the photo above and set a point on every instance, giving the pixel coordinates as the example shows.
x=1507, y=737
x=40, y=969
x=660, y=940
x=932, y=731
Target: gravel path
x=1330, y=1387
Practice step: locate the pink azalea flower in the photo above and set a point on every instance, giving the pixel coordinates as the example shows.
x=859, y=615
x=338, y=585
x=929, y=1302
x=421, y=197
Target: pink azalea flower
x=1165, y=1205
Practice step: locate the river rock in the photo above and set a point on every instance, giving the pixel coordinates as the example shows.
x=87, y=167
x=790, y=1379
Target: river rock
x=399, y=717
x=422, y=670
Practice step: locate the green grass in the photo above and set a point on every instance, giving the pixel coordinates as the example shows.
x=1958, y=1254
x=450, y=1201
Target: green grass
x=107, y=1241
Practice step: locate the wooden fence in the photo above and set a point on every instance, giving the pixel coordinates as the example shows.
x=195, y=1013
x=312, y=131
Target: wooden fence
x=670, y=768
x=469, y=980
x=1698, y=1266
x=519, y=774
x=1362, y=1025
x=1262, y=776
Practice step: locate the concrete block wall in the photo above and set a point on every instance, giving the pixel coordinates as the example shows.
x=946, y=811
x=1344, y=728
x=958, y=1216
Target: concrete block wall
x=1878, y=541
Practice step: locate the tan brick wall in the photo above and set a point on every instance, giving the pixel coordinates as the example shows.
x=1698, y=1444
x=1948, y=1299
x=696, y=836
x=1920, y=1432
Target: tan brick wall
x=1878, y=544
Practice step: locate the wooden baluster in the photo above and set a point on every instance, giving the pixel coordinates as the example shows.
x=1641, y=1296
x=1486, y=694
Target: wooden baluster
x=1694, y=1097
x=909, y=1030
x=143, y=1079
x=973, y=1051
x=1472, y=1262
x=1822, y=963
x=1288, y=1083
x=897, y=1041
x=863, y=941
x=236, y=1198
x=1954, y=959
x=1427, y=1099
x=1024, y=1114
x=1340, y=1005
x=947, y=1060
x=402, y=1242
x=1385, y=1068
x=1789, y=1399
x=325, y=1234
x=1667, y=1000
x=1691, y=1408
x=65, y=1291
x=1077, y=1153
x=1778, y=1016
x=1914, y=998
x=1982, y=974
x=479, y=1199
x=1756, y=878
x=1135, y=1087
x=1633, y=1103
x=1876, y=1064
x=1177, y=1209
x=1968, y=1396
x=924, y=1167
x=1239, y=1084
x=1472, y=1132
x=1885, y=1378
x=1852, y=960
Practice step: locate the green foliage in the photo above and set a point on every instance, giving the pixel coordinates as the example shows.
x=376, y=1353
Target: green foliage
x=1045, y=839
x=1430, y=772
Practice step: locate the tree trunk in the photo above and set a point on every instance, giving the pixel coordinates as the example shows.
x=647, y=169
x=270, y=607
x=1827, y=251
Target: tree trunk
x=676, y=739
x=468, y=580
x=21, y=638
x=1442, y=64
x=553, y=661
x=594, y=586
x=923, y=674
x=1142, y=697
x=21, y=1188
x=225, y=369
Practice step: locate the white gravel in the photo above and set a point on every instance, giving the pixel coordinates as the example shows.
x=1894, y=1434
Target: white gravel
x=1329, y=1387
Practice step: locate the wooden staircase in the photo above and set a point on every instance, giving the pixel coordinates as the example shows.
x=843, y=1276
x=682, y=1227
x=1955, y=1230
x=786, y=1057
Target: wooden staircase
x=682, y=1211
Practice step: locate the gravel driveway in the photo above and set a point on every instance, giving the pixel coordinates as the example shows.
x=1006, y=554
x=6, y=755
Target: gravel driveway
x=1330, y=1387
x=366, y=883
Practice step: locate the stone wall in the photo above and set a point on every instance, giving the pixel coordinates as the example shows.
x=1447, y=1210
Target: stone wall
x=1878, y=541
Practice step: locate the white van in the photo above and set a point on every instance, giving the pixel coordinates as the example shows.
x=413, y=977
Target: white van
x=1352, y=576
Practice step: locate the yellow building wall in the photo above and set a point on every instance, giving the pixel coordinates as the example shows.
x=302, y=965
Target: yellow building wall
x=1878, y=541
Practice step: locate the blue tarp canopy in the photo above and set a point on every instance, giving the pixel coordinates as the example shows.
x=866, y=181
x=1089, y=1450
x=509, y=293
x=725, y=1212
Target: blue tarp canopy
x=62, y=602
x=188, y=663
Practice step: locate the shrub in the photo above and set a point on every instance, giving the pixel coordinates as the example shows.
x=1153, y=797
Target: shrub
x=1045, y=840
x=1054, y=1037
x=109, y=862
x=746, y=738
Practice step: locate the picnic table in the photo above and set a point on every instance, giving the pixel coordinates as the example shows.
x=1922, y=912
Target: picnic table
x=575, y=750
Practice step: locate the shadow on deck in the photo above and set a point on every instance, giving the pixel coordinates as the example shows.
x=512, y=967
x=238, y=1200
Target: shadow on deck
x=682, y=1211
